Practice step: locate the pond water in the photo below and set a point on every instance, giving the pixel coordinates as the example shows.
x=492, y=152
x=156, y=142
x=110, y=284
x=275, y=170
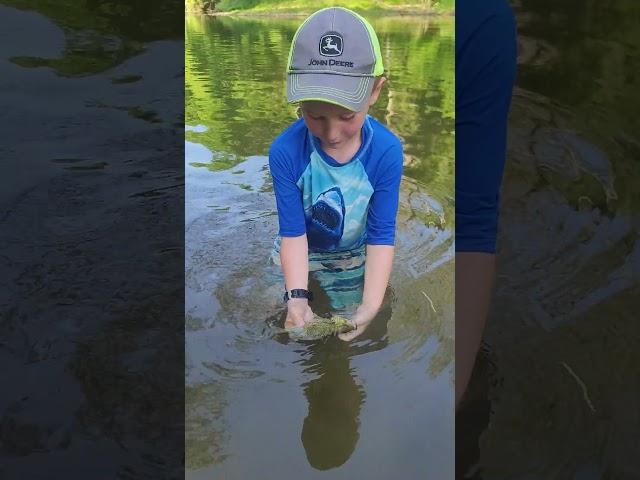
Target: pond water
x=557, y=389
x=91, y=286
x=257, y=402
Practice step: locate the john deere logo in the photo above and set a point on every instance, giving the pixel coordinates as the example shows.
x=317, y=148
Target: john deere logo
x=331, y=45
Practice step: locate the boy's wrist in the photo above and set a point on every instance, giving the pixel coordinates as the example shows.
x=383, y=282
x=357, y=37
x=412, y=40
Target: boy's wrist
x=297, y=307
x=297, y=293
x=367, y=311
x=297, y=302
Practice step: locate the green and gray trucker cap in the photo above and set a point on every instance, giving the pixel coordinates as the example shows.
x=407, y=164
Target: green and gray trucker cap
x=334, y=57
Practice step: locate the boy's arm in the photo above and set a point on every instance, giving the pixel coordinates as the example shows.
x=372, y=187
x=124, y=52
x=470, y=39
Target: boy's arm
x=485, y=72
x=381, y=230
x=295, y=261
x=377, y=270
x=295, y=267
x=293, y=245
x=475, y=273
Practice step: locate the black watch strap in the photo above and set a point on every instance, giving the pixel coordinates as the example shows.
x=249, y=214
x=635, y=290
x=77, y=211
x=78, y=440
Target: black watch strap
x=298, y=293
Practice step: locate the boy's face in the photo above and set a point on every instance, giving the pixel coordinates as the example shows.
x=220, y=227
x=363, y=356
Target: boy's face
x=338, y=128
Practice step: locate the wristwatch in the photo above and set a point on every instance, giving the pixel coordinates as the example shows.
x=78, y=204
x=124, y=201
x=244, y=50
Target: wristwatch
x=297, y=293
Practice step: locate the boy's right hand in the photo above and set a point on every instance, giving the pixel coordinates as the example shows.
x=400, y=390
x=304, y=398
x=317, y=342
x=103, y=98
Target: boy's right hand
x=298, y=313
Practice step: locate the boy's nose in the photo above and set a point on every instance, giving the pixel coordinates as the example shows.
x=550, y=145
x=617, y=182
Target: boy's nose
x=331, y=132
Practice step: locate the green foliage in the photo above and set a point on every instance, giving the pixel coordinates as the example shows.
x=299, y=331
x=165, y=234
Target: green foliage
x=274, y=6
x=200, y=6
x=227, y=5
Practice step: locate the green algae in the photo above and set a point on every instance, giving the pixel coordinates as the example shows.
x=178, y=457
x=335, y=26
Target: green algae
x=321, y=327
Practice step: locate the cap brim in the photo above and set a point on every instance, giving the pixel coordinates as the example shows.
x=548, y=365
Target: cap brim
x=347, y=91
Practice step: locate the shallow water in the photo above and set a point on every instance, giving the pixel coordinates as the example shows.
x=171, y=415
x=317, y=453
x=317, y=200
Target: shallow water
x=91, y=163
x=563, y=338
x=380, y=406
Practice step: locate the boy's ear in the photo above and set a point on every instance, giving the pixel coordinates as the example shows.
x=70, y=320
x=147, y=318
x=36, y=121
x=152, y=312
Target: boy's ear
x=375, y=92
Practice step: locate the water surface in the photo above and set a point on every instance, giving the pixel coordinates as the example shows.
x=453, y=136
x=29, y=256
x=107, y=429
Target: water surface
x=91, y=284
x=563, y=338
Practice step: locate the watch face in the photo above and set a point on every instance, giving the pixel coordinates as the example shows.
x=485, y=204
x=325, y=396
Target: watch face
x=298, y=293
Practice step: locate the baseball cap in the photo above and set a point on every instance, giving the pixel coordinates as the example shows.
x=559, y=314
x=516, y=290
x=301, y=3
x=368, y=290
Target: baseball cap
x=334, y=57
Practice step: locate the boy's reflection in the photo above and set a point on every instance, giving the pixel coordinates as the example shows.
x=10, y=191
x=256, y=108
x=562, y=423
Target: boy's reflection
x=330, y=429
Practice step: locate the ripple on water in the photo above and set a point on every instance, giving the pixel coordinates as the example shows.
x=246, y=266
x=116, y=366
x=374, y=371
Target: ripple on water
x=562, y=331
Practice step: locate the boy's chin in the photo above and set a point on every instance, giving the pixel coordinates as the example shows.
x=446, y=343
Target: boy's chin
x=331, y=145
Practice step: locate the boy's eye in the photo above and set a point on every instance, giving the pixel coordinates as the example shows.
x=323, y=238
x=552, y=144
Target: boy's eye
x=347, y=117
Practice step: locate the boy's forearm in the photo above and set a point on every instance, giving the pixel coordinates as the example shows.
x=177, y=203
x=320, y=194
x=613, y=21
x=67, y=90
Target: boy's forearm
x=294, y=256
x=377, y=271
x=475, y=273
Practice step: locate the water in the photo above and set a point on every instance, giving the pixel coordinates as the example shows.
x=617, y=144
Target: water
x=561, y=379
x=91, y=285
x=380, y=406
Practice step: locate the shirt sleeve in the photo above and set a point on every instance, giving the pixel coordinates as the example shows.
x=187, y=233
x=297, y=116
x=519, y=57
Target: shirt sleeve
x=383, y=206
x=485, y=73
x=288, y=196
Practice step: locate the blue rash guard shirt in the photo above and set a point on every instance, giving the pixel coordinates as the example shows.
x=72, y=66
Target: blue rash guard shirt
x=485, y=72
x=340, y=207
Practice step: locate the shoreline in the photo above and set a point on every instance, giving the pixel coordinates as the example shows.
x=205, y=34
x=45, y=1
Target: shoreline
x=304, y=13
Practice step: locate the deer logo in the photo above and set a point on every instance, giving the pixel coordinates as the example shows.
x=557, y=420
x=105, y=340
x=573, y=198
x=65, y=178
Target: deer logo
x=331, y=45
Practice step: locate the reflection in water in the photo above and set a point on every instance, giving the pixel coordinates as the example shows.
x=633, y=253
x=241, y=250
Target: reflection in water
x=101, y=34
x=203, y=411
x=330, y=429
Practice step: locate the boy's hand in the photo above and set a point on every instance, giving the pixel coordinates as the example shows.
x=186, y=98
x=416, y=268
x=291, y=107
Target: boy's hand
x=298, y=313
x=361, y=319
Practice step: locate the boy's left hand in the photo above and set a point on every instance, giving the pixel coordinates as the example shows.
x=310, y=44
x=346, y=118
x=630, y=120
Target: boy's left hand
x=362, y=319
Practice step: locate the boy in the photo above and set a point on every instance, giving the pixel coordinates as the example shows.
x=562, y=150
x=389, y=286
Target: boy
x=336, y=171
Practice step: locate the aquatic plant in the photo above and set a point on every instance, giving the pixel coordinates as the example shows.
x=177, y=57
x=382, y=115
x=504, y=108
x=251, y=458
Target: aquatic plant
x=321, y=327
